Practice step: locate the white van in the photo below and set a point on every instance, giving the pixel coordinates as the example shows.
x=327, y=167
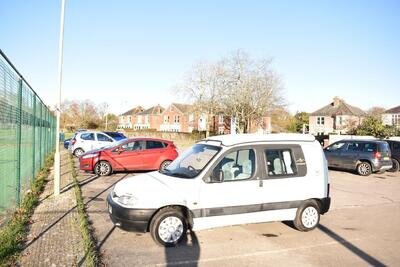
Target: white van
x=227, y=180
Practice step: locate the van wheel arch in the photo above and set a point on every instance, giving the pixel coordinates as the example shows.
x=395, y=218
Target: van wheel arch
x=185, y=211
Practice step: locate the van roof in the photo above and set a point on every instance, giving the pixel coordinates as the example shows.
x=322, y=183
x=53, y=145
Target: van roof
x=234, y=139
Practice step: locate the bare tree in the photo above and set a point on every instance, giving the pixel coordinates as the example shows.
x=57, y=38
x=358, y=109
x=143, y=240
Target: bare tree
x=238, y=86
x=376, y=112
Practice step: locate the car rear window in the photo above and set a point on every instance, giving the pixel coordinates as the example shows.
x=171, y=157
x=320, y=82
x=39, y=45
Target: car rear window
x=87, y=136
x=368, y=147
x=154, y=144
x=384, y=147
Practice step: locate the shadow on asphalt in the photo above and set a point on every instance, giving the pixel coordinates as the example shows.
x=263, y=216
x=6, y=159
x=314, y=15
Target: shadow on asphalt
x=360, y=253
x=187, y=253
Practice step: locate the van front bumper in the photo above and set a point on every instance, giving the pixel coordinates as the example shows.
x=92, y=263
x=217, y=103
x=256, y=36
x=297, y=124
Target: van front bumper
x=129, y=219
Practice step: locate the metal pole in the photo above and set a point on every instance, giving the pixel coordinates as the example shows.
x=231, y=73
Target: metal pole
x=19, y=120
x=57, y=159
x=34, y=139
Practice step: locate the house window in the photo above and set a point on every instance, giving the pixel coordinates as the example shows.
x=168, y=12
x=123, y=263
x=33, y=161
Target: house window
x=221, y=130
x=176, y=119
x=395, y=119
x=320, y=120
x=340, y=120
x=166, y=119
x=221, y=119
x=139, y=119
x=191, y=118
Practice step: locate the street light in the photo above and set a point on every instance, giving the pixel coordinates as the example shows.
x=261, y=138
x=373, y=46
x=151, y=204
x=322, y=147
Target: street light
x=57, y=159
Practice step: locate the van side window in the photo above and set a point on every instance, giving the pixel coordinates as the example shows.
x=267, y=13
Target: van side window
x=237, y=165
x=280, y=162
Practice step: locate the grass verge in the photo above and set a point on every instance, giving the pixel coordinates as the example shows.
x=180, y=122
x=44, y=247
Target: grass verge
x=13, y=234
x=91, y=254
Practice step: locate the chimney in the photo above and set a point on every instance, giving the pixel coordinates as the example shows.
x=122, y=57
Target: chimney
x=336, y=101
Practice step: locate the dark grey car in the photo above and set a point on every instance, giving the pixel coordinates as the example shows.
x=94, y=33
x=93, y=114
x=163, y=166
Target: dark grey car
x=364, y=156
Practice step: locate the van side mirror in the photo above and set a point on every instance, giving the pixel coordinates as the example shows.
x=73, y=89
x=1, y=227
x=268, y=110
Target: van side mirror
x=218, y=176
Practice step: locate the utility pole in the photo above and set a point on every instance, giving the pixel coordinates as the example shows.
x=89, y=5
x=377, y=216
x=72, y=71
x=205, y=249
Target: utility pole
x=57, y=158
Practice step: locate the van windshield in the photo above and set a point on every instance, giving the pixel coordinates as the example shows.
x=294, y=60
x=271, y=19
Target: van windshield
x=190, y=163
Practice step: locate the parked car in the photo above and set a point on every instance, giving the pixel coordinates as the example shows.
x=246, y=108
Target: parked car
x=363, y=156
x=395, y=150
x=129, y=155
x=89, y=140
x=227, y=180
x=116, y=135
x=66, y=143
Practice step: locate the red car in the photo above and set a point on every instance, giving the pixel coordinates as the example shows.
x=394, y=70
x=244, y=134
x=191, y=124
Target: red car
x=128, y=155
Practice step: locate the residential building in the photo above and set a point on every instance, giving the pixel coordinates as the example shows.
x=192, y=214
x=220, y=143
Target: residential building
x=178, y=118
x=392, y=116
x=222, y=124
x=336, y=117
x=149, y=119
x=126, y=119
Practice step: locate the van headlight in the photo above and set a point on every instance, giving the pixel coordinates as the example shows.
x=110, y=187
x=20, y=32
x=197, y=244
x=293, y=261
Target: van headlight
x=127, y=200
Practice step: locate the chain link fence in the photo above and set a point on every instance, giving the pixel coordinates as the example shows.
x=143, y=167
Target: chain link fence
x=27, y=135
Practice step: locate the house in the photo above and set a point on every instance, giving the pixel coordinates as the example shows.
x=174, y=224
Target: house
x=178, y=118
x=149, y=118
x=126, y=119
x=336, y=117
x=392, y=116
x=222, y=124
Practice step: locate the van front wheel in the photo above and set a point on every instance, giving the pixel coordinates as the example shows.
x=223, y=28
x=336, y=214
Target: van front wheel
x=307, y=216
x=168, y=227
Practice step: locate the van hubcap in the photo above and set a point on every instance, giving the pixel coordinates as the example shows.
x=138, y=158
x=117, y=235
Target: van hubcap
x=170, y=229
x=309, y=217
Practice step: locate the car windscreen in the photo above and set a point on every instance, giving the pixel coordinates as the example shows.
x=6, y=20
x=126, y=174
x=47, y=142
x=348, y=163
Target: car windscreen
x=190, y=163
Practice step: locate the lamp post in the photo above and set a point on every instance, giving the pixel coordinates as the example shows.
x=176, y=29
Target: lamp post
x=57, y=159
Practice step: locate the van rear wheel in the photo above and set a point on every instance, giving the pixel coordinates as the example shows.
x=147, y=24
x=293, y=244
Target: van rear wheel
x=364, y=168
x=168, y=227
x=307, y=216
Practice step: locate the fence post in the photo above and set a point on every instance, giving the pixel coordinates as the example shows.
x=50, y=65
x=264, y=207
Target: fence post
x=40, y=137
x=19, y=121
x=34, y=139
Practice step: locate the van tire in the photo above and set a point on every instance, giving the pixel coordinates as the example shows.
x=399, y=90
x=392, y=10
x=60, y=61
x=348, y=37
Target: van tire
x=307, y=216
x=395, y=167
x=364, y=168
x=78, y=152
x=102, y=168
x=166, y=220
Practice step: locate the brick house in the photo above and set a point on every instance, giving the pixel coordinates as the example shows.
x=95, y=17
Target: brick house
x=149, y=119
x=336, y=117
x=221, y=124
x=126, y=119
x=392, y=116
x=178, y=118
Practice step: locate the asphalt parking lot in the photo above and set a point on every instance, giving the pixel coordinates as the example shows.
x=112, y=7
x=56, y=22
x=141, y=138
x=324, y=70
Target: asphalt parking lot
x=362, y=228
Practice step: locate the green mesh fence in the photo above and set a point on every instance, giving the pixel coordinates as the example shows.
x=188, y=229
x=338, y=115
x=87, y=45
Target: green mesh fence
x=27, y=135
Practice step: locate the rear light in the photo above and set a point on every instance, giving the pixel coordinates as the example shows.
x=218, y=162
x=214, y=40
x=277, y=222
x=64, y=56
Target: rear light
x=73, y=141
x=377, y=155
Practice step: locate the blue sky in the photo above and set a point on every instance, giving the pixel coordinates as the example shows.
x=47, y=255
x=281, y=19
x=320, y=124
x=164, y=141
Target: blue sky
x=133, y=52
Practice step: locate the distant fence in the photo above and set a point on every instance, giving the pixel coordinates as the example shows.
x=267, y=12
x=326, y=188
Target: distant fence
x=27, y=134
